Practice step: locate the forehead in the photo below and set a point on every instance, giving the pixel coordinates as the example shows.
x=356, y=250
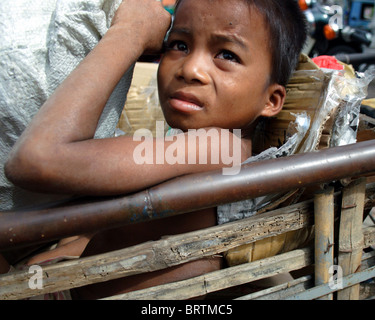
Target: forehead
x=217, y=9
x=232, y=16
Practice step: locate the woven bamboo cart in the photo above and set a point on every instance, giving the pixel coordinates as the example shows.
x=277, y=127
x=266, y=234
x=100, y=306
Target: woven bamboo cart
x=314, y=229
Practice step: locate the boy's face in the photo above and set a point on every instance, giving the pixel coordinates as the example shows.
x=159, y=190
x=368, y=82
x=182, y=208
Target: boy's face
x=215, y=72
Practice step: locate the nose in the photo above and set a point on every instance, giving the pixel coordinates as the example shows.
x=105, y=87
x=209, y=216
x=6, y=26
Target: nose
x=194, y=69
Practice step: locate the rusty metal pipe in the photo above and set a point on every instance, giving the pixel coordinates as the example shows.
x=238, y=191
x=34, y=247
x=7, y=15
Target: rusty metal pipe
x=188, y=193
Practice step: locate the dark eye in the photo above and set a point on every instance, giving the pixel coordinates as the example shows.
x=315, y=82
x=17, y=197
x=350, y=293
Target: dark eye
x=228, y=55
x=178, y=46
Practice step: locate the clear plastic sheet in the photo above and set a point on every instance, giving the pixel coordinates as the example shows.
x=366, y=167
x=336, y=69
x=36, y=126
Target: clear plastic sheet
x=339, y=114
x=351, y=93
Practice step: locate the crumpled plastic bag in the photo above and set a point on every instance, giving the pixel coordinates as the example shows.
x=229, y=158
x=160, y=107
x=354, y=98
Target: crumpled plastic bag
x=338, y=117
x=41, y=42
x=352, y=92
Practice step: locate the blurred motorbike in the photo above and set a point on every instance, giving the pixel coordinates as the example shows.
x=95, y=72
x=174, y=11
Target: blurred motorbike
x=329, y=31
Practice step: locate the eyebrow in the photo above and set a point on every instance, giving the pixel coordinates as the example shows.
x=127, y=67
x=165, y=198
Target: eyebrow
x=231, y=38
x=180, y=31
x=225, y=38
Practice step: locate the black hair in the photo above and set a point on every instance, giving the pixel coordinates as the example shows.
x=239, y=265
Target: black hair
x=287, y=31
x=287, y=34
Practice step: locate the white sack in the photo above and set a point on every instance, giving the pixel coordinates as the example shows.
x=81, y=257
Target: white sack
x=41, y=42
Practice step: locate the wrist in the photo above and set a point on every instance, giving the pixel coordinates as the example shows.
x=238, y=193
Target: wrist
x=124, y=41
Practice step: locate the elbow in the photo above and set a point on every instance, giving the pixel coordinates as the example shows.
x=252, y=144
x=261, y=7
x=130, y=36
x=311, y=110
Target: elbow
x=12, y=167
x=24, y=168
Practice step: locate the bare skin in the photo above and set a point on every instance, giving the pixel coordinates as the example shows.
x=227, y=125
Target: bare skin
x=57, y=153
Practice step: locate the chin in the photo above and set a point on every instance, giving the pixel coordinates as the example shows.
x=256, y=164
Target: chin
x=176, y=123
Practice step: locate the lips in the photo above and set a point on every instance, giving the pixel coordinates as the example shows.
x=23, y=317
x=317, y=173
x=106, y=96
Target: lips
x=185, y=102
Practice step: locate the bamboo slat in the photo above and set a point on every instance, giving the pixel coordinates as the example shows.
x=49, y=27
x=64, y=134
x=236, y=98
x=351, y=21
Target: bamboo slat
x=282, y=291
x=222, y=279
x=324, y=238
x=350, y=234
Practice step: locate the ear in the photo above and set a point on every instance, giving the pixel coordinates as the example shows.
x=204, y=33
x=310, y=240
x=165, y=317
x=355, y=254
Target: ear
x=275, y=102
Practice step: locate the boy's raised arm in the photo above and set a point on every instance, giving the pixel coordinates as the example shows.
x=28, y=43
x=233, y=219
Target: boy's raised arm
x=56, y=150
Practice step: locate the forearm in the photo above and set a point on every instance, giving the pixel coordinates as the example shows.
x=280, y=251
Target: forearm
x=73, y=111
x=121, y=165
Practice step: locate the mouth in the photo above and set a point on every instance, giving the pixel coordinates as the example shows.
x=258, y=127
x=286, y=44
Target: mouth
x=185, y=102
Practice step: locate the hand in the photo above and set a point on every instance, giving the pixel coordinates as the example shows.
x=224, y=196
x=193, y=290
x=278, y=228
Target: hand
x=146, y=19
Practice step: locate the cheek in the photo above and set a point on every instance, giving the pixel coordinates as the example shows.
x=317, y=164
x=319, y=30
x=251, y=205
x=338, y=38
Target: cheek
x=244, y=102
x=251, y=88
x=160, y=78
x=237, y=94
x=164, y=73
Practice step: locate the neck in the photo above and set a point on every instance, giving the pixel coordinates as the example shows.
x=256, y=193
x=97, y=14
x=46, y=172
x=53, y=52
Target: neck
x=246, y=151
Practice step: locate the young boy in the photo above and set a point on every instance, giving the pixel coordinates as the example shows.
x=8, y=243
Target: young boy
x=225, y=64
